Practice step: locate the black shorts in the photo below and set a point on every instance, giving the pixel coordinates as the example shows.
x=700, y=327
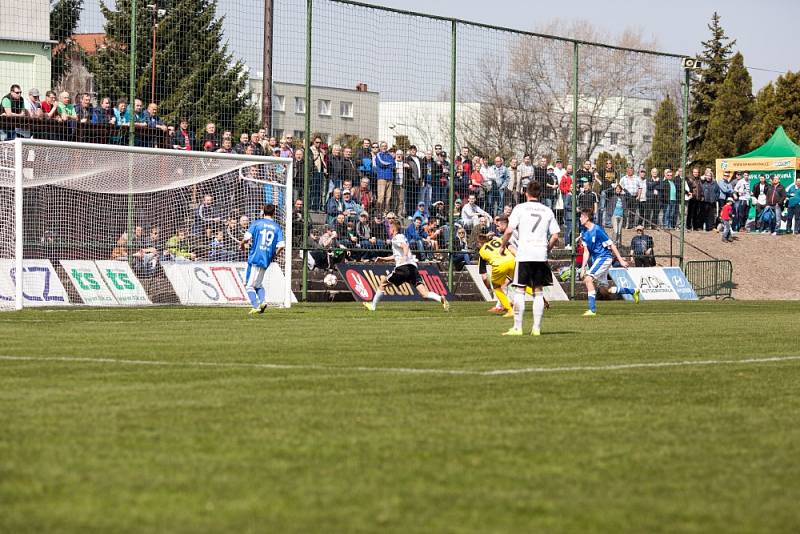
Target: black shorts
x=481, y=266
x=403, y=274
x=533, y=274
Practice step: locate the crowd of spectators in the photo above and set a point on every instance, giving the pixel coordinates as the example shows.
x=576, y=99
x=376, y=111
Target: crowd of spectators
x=760, y=206
x=357, y=192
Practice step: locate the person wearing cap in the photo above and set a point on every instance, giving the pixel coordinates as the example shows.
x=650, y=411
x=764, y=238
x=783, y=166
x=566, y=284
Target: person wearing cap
x=365, y=238
x=33, y=106
x=417, y=237
x=726, y=216
x=642, y=253
x=351, y=205
x=422, y=213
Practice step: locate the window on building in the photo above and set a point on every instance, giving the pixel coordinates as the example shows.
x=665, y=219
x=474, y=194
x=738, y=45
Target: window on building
x=647, y=138
x=326, y=137
x=278, y=103
x=299, y=104
x=613, y=138
x=346, y=110
x=647, y=112
x=277, y=133
x=597, y=137
x=299, y=135
x=325, y=108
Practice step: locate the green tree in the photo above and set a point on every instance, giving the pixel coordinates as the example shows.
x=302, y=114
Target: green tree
x=729, y=126
x=195, y=75
x=667, y=149
x=64, y=17
x=714, y=57
x=778, y=103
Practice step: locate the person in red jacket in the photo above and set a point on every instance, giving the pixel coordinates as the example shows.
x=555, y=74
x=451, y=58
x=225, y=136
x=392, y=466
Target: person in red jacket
x=726, y=215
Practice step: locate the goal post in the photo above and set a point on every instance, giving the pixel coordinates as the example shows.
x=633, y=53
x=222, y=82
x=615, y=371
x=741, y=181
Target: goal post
x=120, y=226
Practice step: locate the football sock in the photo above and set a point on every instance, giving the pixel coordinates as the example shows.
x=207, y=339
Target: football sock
x=502, y=298
x=262, y=295
x=378, y=296
x=433, y=296
x=593, y=300
x=519, y=309
x=251, y=294
x=538, y=310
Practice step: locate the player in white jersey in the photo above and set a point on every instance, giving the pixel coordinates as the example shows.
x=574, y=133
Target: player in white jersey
x=538, y=233
x=405, y=270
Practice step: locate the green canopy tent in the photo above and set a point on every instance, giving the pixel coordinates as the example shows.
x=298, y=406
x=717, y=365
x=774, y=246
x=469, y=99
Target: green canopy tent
x=779, y=156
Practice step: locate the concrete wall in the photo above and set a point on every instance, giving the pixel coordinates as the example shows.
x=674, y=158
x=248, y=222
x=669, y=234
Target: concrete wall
x=25, y=45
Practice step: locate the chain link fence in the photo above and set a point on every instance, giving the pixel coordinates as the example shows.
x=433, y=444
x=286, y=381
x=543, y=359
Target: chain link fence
x=435, y=121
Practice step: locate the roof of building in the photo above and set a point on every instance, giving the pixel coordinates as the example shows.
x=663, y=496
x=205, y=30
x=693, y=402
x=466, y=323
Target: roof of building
x=89, y=42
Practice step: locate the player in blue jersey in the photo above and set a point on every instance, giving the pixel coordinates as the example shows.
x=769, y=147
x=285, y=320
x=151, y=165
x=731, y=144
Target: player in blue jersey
x=266, y=238
x=603, y=251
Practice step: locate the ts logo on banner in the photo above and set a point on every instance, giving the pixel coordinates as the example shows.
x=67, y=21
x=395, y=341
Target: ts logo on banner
x=88, y=282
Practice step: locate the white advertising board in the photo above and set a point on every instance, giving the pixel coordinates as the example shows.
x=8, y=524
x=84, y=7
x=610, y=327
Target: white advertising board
x=124, y=285
x=89, y=283
x=41, y=285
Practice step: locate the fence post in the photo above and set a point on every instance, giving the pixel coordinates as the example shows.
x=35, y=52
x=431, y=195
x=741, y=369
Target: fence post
x=685, y=156
x=451, y=184
x=575, y=132
x=131, y=129
x=309, y=9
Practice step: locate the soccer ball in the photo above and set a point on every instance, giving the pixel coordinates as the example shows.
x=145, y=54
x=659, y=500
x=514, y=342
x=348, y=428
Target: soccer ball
x=330, y=280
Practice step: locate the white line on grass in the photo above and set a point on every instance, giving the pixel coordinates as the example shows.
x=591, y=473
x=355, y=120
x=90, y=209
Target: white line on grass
x=407, y=370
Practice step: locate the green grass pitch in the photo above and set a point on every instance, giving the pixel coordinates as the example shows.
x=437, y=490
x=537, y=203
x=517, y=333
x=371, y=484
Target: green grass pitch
x=326, y=418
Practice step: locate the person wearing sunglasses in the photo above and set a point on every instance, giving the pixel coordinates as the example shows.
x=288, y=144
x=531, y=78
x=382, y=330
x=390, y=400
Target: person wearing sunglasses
x=12, y=105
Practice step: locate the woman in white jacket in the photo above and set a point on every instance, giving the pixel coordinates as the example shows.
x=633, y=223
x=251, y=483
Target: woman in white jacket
x=742, y=192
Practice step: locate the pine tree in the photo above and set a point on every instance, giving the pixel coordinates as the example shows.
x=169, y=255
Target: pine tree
x=666, y=151
x=196, y=76
x=729, y=126
x=714, y=57
x=778, y=103
x=64, y=17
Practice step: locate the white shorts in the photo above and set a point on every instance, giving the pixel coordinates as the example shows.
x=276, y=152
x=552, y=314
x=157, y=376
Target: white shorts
x=254, y=276
x=599, y=270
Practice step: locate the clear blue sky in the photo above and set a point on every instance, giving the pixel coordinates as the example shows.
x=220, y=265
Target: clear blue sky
x=766, y=30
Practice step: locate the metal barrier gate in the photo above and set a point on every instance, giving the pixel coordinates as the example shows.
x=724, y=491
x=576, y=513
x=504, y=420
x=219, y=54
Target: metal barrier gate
x=711, y=278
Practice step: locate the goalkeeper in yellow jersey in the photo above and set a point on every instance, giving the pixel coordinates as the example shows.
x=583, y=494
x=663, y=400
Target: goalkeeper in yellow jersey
x=502, y=264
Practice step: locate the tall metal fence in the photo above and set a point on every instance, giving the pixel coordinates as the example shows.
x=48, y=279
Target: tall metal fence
x=388, y=113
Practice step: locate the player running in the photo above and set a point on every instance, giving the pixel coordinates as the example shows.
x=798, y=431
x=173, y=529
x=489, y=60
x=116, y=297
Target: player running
x=267, y=244
x=538, y=233
x=405, y=270
x=602, y=250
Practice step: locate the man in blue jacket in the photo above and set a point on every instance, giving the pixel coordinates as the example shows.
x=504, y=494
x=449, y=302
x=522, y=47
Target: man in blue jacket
x=384, y=172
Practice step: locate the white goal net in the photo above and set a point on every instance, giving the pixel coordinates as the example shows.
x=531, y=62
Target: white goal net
x=118, y=226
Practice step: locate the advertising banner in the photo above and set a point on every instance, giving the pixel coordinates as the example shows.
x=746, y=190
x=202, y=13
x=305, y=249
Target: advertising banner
x=654, y=283
x=363, y=280
x=88, y=282
x=204, y=284
x=124, y=285
x=41, y=286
